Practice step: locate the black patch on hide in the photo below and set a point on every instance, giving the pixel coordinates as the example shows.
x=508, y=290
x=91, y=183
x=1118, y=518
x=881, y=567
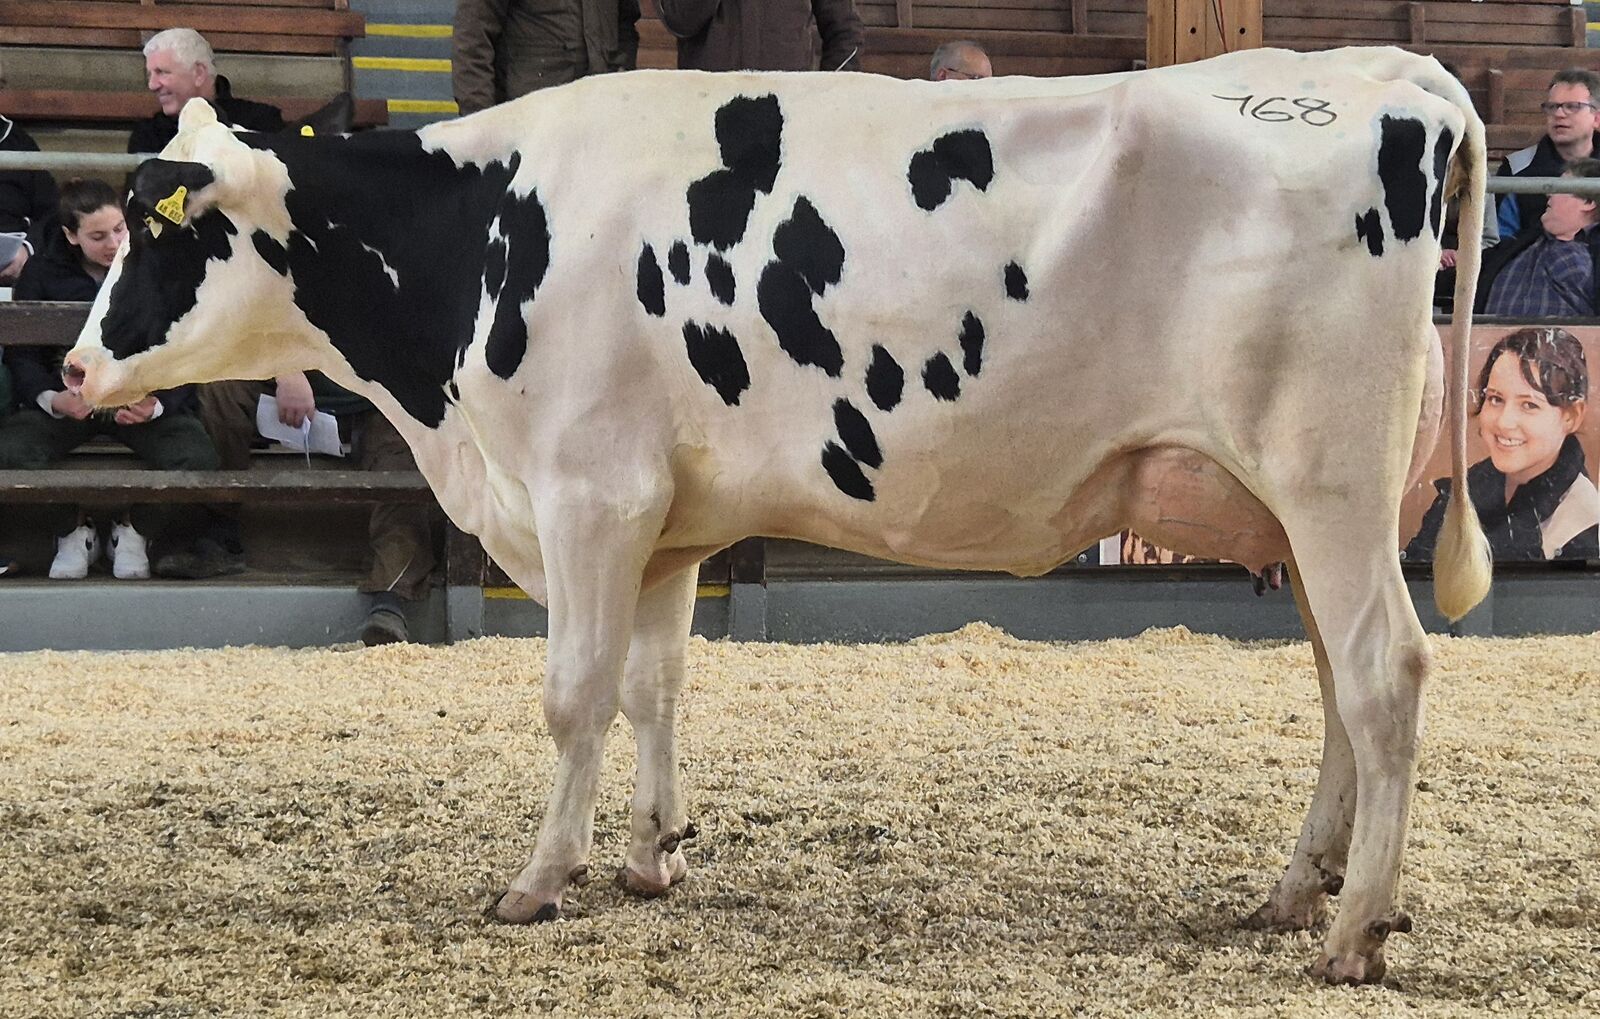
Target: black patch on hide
x=886, y=380
x=1369, y=228
x=846, y=473
x=960, y=155
x=1405, y=188
x=856, y=433
x=972, y=344
x=809, y=246
x=785, y=302
x=719, y=276
x=449, y=232
x=717, y=358
x=678, y=263
x=161, y=278
x=652, y=287
x=749, y=135
x=1441, y=167
x=1016, y=282
x=940, y=378
x=274, y=254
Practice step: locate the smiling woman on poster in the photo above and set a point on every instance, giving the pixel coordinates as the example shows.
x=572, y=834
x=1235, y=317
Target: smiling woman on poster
x=1533, y=493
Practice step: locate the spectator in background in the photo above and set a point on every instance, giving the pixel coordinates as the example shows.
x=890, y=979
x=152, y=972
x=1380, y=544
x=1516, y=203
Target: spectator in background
x=503, y=49
x=1549, y=269
x=962, y=60
x=52, y=421
x=1569, y=117
x=763, y=35
x=179, y=66
x=27, y=200
x=399, y=535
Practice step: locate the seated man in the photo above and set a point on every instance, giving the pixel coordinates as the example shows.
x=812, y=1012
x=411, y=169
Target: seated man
x=1547, y=270
x=962, y=60
x=179, y=66
x=398, y=534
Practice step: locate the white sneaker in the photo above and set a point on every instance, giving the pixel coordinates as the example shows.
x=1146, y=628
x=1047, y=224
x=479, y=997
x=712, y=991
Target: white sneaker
x=130, y=559
x=75, y=553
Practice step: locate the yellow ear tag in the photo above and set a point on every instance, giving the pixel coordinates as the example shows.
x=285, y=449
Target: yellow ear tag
x=306, y=132
x=172, y=206
x=154, y=225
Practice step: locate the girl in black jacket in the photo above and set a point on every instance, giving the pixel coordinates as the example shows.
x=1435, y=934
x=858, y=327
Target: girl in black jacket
x=50, y=421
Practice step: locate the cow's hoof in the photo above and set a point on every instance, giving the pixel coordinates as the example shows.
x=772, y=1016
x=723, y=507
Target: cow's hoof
x=1281, y=919
x=1350, y=968
x=517, y=907
x=654, y=878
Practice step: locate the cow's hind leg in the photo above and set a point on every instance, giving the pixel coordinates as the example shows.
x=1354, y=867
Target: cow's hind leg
x=1300, y=899
x=651, y=681
x=1379, y=657
x=594, y=559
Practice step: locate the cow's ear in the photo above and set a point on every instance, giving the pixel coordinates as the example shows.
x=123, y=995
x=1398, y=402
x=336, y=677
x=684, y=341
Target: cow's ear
x=337, y=117
x=196, y=113
x=164, y=187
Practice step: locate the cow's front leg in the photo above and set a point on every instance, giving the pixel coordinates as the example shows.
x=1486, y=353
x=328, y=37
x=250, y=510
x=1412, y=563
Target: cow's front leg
x=650, y=685
x=1316, y=870
x=594, y=559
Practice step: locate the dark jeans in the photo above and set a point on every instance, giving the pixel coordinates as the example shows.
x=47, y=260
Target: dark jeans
x=31, y=439
x=398, y=535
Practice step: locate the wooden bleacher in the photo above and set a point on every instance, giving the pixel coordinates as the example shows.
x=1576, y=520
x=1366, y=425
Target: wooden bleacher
x=1505, y=50
x=72, y=72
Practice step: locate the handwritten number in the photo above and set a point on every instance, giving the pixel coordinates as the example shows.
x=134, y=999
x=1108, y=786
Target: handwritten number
x=1243, y=101
x=1271, y=116
x=1313, y=111
x=1316, y=108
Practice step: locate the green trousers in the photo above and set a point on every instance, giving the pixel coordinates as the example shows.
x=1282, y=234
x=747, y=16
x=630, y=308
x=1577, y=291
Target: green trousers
x=31, y=439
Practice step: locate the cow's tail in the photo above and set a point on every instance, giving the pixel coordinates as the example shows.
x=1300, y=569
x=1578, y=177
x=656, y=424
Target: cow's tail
x=1461, y=561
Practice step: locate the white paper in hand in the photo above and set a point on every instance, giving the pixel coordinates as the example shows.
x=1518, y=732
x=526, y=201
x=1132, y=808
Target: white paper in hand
x=320, y=433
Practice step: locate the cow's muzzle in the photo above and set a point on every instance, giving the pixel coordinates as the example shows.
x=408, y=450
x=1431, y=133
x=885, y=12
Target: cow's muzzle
x=93, y=374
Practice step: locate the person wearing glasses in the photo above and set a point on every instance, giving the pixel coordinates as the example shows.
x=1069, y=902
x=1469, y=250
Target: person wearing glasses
x=1570, y=122
x=962, y=60
x=763, y=35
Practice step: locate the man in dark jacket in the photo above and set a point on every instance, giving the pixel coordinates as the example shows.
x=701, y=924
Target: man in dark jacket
x=1570, y=119
x=503, y=49
x=763, y=35
x=27, y=199
x=1549, y=269
x=179, y=66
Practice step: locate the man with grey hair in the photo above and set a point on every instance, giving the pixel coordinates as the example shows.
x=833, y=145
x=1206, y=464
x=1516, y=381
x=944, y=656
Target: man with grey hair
x=179, y=66
x=961, y=60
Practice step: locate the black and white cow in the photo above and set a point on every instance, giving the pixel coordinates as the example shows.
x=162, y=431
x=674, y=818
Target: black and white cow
x=629, y=321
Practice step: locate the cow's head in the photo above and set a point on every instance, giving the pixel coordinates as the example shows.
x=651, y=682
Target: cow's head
x=199, y=291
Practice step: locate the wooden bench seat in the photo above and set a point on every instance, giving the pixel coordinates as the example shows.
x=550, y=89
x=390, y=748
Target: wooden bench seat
x=1316, y=24
x=258, y=26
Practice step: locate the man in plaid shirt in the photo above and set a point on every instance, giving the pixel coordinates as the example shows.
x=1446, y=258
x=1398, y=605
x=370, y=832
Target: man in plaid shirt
x=1549, y=272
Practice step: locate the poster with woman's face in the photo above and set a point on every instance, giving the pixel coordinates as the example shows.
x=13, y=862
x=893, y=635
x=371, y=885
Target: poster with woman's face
x=1533, y=448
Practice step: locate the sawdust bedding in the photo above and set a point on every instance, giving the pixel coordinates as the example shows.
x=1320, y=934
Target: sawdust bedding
x=966, y=825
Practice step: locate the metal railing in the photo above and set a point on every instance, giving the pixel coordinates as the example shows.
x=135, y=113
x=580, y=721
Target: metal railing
x=117, y=162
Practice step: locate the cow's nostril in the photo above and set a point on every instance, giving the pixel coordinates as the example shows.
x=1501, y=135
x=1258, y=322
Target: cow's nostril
x=73, y=375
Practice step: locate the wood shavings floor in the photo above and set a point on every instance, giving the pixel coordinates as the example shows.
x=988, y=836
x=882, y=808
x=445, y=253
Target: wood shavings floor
x=967, y=825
